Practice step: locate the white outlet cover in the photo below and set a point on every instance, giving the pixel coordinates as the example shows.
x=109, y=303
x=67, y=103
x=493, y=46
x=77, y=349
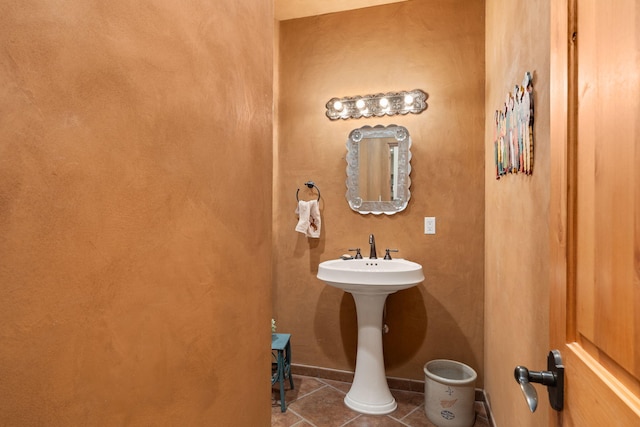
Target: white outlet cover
x=429, y=225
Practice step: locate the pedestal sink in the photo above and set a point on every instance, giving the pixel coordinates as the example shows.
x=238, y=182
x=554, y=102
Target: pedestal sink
x=370, y=281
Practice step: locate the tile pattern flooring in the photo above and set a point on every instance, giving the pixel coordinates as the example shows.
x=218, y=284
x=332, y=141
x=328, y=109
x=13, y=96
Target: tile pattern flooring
x=318, y=402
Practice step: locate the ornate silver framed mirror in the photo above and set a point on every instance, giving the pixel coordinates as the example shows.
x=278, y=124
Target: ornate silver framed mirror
x=378, y=169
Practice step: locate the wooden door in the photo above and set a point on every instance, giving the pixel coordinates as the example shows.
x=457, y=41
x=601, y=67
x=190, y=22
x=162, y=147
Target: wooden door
x=595, y=209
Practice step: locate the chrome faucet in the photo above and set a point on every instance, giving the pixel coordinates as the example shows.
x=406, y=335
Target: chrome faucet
x=372, y=244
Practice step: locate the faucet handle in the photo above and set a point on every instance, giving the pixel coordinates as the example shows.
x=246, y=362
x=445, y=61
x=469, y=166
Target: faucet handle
x=357, y=251
x=387, y=255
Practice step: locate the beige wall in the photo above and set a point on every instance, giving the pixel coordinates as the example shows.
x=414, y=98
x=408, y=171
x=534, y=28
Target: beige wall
x=432, y=45
x=517, y=208
x=290, y=9
x=135, y=164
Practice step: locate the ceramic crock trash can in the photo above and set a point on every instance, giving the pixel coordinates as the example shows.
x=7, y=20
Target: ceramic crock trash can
x=449, y=393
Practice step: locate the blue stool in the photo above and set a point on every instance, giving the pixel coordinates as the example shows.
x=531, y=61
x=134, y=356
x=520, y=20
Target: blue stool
x=281, y=368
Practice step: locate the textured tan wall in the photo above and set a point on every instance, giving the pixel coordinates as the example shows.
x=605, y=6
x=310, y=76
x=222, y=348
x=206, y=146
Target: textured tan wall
x=517, y=208
x=290, y=9
x=135, y=156
x=432, y=45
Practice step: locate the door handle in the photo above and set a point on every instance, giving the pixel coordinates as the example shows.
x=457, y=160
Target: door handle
x=553, y=379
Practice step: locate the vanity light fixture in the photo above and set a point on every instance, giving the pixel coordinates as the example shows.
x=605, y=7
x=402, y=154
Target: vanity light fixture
x=390, y=104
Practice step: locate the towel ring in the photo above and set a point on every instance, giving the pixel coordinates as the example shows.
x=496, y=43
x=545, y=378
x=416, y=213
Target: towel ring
x=309, y=184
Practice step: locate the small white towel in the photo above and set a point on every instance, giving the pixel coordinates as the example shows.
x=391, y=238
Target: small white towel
x=314, y=221
x=309, y=218
x=303, y=210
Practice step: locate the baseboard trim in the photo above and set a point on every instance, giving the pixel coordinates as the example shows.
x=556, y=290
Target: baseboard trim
x=487, y=408
x=347, y=377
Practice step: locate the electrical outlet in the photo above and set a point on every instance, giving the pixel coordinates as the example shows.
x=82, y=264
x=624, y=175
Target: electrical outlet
x=429, y=225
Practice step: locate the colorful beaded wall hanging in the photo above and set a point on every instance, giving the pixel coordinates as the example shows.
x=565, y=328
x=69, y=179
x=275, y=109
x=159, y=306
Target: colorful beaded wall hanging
x=513, y=132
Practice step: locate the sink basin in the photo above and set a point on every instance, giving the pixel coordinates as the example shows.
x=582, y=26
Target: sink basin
x=370, y=275
x=370, y=281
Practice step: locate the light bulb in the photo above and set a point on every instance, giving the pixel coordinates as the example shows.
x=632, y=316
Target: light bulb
x=337, y=106
x=384, y=102
x=408, y=99
x=360, y=104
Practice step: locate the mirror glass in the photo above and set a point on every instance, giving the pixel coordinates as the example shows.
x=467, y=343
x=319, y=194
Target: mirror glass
x=378, y=169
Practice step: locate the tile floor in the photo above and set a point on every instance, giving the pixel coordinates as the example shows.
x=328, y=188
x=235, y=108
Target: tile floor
x=318, y=402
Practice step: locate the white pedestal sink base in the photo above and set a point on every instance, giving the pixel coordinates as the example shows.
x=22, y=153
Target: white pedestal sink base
x=368, y=408
x=369, y=392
